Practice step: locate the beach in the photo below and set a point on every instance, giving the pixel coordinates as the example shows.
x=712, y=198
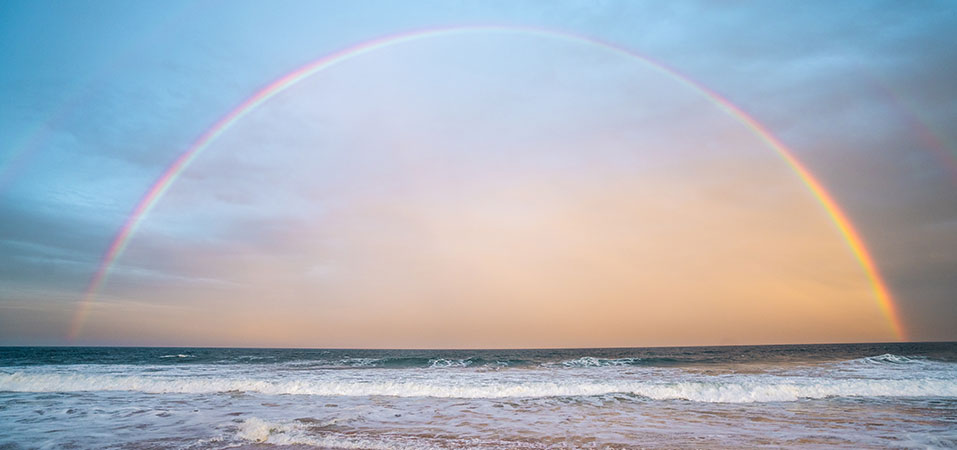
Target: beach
x=853, y=396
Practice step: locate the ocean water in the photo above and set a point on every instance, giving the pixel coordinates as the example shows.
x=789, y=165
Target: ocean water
x=824, y=396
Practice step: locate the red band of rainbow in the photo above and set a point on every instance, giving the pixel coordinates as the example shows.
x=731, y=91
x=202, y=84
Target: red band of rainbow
x=156, y=191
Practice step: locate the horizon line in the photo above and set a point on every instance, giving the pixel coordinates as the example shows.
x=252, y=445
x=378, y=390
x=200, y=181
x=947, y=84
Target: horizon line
x=791, y=344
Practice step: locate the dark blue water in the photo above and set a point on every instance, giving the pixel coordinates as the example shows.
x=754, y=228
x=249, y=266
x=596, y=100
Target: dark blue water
x=662, y=356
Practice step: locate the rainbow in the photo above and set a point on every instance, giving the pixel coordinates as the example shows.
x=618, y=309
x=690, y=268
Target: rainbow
x=156, y=191
x=36, y=139
x=931, y=139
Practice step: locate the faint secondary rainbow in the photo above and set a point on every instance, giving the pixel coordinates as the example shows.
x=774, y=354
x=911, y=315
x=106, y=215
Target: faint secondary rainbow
x=37, y=139
x=159, y=187
x=922, y=127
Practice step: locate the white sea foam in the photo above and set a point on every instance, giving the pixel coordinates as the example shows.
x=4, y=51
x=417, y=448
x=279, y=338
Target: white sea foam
x=590, y=361
x=437, y=363
x=731, y=389
x=889, y=366
x=176, y=356
x=294, y=433
x=891, y=359
x=257, y=430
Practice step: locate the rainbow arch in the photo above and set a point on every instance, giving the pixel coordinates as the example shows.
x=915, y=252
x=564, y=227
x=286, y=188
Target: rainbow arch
x=160, y=186
x=945, y=153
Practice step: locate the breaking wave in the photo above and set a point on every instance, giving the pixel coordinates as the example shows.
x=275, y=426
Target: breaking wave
x=408, y=363
x=301, y=432
x=591, y=361
x=888, y=358
x=257, y=430
x=729, y=390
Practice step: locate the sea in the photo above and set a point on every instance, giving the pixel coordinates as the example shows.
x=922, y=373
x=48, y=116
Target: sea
x=898, y=395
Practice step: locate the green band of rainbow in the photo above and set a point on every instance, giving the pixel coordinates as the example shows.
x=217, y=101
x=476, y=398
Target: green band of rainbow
x=158, y=188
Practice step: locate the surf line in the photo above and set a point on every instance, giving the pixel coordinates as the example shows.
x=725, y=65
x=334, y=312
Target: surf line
x=161, y=185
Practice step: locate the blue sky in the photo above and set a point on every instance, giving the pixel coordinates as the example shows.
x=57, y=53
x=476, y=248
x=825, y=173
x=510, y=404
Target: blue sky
x=99, y=97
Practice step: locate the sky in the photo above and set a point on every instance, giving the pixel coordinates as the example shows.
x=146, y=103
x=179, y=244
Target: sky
x=538, y=174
